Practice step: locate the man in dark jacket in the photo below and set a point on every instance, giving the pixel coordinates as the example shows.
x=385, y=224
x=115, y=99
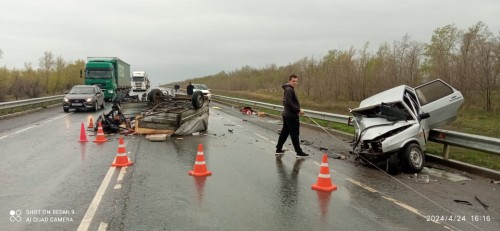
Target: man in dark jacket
x=290, y=115
x=190, y=88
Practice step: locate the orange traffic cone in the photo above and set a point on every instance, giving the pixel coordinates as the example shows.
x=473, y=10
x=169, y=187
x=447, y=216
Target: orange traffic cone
x=83, y=135
x=121, y=159
x=91, y=123
x=324, y=182
x=200, y=168
x=100, y=138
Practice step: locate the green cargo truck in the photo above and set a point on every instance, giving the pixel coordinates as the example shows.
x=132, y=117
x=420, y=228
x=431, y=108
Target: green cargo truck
x=111, y=74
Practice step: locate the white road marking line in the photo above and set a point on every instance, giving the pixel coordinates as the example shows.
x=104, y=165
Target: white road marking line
x=89, y=215
x=407, y=207
x=235, y=124
x=122, y=173
x=102, y=227
x=120, y=177
x=361, y=185
x=60, y=116
x=22, y=130
x=3, y=137
x=265, y=138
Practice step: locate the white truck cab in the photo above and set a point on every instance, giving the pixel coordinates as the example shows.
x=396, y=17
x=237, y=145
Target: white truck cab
x=140, y=81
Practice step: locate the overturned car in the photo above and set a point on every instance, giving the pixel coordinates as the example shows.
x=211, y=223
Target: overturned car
x=392, y=127
x=160, y=112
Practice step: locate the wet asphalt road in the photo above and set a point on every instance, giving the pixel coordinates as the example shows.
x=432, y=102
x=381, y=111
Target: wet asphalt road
x=51, y=182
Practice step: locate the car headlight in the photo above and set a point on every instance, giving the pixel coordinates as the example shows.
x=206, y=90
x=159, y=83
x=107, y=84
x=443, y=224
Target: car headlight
x=66, y=99
x=89, y=99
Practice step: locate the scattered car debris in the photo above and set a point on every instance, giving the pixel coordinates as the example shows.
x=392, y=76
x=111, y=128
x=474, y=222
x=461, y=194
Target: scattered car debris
x=306, y=142
x=323, y=149
x=419, y=178
x=157, y=137
x=229, y=125
x=495, y=181
x=483, y=204
x=441, y=173
x=463, y=202
x=247, y=111
x=230, y=130
x=339, y=156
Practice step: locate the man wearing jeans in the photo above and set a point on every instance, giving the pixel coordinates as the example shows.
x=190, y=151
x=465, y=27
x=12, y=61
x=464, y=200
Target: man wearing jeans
x=290, y=115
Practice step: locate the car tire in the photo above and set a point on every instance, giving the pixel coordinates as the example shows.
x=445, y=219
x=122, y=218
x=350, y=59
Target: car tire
x=66, y=110
x=102, y=105
x=198, y=99
x=154, y=93
x=95, y=106
x=413, y=158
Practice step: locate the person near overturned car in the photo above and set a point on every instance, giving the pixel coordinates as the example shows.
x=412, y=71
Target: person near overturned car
x=291, y=113
x=190, y=88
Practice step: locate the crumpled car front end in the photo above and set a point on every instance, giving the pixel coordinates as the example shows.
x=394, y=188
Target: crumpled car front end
x=377, y=138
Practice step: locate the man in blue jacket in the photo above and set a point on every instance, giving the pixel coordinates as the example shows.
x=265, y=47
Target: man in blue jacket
x=290, y=115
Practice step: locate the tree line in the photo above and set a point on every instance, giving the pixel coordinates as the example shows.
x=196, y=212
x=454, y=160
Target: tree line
x=53, y=76
x=469, y=60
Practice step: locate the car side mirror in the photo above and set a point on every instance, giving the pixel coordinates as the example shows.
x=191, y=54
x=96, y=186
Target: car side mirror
x=424, y=116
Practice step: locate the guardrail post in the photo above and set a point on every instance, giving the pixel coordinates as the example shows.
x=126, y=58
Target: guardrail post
x=446, y=151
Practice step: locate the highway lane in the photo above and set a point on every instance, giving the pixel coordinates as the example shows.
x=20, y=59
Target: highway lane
x=45, y=169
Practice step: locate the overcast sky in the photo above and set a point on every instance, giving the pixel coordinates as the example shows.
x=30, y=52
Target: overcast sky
x=180, y=39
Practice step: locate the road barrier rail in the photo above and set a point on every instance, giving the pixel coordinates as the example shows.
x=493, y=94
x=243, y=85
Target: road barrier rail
x=11, y=107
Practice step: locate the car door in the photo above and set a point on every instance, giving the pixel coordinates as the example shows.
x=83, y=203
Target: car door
x=440, y=100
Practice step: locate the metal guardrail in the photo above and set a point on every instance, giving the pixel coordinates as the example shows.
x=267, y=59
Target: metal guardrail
x=313, y=114
x=12, y=106
x=464, y=140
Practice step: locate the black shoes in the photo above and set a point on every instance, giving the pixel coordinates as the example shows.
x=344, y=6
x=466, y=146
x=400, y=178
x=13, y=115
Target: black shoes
x=279, y=152
x=302, y=154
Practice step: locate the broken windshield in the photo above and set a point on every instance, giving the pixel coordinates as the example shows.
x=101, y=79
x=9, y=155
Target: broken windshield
x=390, y=111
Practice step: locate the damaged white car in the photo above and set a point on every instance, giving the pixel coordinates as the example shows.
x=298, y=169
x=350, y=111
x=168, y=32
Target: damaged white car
x=392, y=127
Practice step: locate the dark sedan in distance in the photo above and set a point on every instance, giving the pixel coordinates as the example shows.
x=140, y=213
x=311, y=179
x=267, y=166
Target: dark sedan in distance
x=83, y=97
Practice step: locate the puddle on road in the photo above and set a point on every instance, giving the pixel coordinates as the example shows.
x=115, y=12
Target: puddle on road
x=444, y=174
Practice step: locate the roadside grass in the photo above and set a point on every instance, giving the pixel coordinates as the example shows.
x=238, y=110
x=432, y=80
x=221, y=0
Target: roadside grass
x=469, y=120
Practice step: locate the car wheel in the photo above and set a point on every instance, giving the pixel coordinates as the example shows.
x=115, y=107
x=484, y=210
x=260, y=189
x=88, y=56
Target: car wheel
x=393, y=165
x=102, y=105
x=66, y=109
x=413, y=158
x=198, y=99
x=154, y=94
x=95, y=105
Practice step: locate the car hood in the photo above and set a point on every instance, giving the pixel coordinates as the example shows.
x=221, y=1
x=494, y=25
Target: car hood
x=78, y=96
x=391, y=95
x=374, y=127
